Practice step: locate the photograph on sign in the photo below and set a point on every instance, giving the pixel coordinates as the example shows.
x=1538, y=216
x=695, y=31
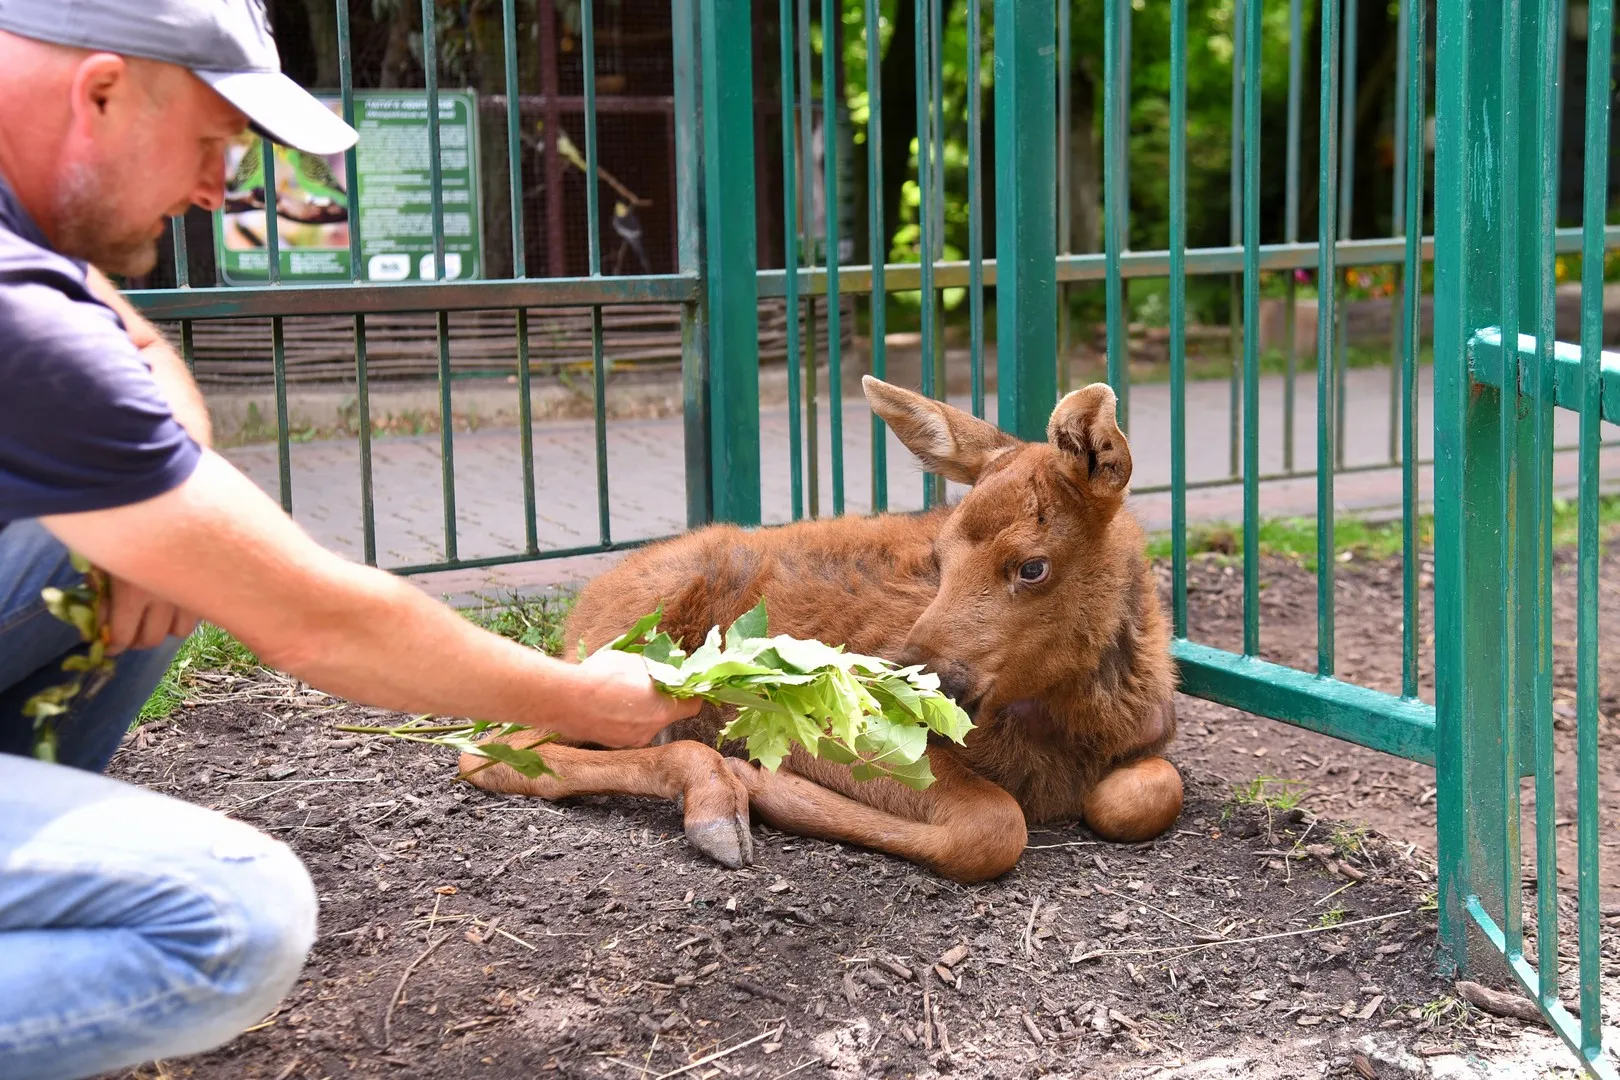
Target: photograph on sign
x=389, y=202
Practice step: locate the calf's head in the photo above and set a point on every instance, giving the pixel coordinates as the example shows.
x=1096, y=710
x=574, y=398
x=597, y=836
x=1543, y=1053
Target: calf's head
x=1032, y=568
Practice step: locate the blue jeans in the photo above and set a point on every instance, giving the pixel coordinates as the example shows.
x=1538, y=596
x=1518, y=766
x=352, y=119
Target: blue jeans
x=132, y=926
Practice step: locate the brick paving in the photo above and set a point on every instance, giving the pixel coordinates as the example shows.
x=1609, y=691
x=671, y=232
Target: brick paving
x=646, y=478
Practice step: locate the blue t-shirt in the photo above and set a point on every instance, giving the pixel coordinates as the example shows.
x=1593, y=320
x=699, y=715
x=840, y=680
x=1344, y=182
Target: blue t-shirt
x=83, y=425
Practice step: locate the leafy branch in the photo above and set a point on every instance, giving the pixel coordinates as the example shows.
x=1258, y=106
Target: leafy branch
x=860, y=711
x=79, y=606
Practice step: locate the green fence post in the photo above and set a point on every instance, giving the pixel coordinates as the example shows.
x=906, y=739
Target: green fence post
x=1469, y=619
x=1026, y=215
x=716, y=99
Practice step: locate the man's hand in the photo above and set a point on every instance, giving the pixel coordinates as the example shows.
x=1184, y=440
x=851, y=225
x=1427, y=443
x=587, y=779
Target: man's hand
x=135, y=619
x=626, y=708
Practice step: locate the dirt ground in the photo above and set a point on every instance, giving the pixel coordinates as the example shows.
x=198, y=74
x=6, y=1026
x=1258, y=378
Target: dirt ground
x=471, y=935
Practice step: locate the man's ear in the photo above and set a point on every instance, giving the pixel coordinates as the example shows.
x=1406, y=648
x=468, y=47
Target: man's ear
x=948, y=441
x=1090, y=446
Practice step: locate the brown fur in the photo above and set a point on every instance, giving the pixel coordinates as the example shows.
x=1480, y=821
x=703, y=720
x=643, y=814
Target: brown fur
x=1069, y=680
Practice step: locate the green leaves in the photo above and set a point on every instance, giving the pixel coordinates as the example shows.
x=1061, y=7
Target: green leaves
x=80, y=607
x=860, y=711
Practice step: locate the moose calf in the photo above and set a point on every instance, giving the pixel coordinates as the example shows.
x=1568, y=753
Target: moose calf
x=1031, y=598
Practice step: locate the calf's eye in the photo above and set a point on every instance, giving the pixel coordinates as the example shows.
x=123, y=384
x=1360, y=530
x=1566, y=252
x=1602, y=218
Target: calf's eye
x=1034, y=571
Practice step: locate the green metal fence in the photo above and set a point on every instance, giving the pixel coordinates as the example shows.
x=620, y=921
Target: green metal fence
x=1499, y=374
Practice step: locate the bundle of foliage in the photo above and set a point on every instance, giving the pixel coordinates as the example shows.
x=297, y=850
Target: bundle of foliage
x=80, y=607
x=861, y=711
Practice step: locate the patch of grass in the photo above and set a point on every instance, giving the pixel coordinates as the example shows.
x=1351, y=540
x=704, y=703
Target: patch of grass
x=1269, y=792
x=1443, y=1011
x=1332, y=917
x=207, y=649
x=1348, y=840
x=1355, y=538
x=535, y=621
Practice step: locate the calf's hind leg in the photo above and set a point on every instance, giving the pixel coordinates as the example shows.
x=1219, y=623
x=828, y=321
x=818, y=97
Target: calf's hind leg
x=716, y=802
x=1135, y=802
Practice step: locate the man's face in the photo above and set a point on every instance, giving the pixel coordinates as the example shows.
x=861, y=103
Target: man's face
x=148, y=140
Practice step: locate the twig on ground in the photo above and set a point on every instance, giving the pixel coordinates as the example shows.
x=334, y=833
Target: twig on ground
x=718, y=1054
x=749, y=986
x=1331, y=895
x=1241, y=941
x=1498, y=1003
x=1066, y=843
x=399, y=988
x=1034, y=909
x=501, y=869
x=797, y=1068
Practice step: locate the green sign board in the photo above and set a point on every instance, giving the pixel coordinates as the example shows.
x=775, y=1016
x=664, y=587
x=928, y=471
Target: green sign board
x=315, y=198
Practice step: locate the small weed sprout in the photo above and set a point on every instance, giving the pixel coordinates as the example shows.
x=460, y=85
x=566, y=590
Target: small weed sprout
x=1270, y=793
x=1333, y=916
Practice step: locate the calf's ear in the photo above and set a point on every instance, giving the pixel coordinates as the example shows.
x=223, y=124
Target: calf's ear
x=948, y=441
x=1091, y=449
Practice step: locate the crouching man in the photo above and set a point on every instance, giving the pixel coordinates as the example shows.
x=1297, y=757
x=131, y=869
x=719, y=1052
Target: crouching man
x=134, y=926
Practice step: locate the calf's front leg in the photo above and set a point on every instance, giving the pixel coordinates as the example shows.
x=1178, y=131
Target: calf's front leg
x=961, y=827
x=716, y=803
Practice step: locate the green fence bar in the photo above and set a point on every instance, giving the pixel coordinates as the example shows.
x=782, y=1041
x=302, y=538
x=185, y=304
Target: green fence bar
x=272, y=220
x=829, y=155
x=808, y=184
x=182, y=280
x=1178, y=315
x=447, y=441
x=1356, y=714
x=1026, y=217
x=1326, y=286
x=1541, y=103
x=447, y=460
x=1409, y=161
x=1397, y=210
x=1234, y=318
x=278, y=366
x=593, y=234
x=790, y=263
x=691, y=253
x=1599, y=46
x=975, y=182
x=1251, y=320
x=1116, y=69
x=1515, y=528
x=925, y=215
x=514, y=165
x=935, y=199
x=878, y=242
x=1347, y=185
x=1065, y=212
x=728, y=192
x=1296, y=68
x=362, y=379
x=430, y=74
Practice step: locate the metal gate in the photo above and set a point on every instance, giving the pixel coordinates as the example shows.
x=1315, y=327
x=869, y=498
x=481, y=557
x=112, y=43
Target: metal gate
x=1499, y=374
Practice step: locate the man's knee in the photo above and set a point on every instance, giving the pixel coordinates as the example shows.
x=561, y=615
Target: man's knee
x=263, y=929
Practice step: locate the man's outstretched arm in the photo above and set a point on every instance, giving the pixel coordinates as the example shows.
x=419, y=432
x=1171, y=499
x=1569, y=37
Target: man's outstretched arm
x=217, y=546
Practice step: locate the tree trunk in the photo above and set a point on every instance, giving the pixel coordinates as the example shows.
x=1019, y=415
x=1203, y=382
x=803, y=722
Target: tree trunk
x=398, y=65
x=1085, y=187
x=899, y=76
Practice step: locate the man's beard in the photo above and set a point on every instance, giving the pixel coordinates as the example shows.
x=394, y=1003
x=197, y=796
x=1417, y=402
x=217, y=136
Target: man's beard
x=89, y=225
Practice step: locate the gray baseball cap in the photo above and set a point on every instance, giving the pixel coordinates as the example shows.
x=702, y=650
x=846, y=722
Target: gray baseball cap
x=225, y=43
